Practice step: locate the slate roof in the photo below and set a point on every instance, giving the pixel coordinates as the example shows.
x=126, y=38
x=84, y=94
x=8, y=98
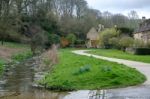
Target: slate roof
x=144, y=26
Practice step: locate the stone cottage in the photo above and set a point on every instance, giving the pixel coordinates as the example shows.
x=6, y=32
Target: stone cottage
x=93, y=37
x=143, y=32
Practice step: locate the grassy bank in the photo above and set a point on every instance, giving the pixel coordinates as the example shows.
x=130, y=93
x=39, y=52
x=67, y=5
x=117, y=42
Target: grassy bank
x=120, y=54
x=22, y=56
x=13, y=52
x=2, y=62
x=15, y=45
x=81, y=72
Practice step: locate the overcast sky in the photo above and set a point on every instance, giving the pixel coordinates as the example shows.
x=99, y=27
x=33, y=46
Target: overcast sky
x=122, y=6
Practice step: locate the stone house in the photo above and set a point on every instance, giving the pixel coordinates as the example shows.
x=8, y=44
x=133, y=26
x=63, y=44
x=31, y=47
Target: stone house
x=93, y=37
x=143, y=32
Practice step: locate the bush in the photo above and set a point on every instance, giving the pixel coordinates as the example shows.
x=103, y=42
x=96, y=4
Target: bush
x=64, y=42
x=142, y=51
x=126, y=31
x=82, y=70
x=53, y=39
x=72, y=38
x=79, y=41
x=139, y=44
x=114, y=42
x=126, y=42
x=106, y=69
x=106, y=35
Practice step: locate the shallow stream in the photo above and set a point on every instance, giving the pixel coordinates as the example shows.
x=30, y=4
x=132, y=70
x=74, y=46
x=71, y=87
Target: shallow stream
x=17, y=83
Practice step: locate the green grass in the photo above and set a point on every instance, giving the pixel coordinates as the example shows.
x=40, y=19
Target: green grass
x=2, y=62
x=15, y=45
x=120, y=54
x=24, y=53
x=75, y=72
x=22, y=56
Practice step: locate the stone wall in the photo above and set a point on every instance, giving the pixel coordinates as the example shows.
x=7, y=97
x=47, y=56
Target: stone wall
x=144, y=36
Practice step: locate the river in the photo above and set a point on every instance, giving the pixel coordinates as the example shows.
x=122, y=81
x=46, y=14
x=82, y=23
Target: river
x=17, y=83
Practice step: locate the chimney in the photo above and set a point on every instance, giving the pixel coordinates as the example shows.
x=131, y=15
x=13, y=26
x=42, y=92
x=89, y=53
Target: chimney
x=143, y=18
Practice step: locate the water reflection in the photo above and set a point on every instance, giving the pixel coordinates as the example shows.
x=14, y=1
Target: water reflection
x=36, y=95
x=17, y=84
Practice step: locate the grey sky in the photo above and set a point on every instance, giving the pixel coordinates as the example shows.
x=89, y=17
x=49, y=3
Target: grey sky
x=122, y=6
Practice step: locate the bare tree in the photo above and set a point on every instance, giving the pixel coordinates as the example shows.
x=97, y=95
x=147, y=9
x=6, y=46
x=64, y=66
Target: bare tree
x=134, y=19
x=4, y=18
x=81, y=6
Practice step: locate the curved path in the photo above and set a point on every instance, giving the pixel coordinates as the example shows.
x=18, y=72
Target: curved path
x=142, y=67
x=17, y=84
x=134, y=92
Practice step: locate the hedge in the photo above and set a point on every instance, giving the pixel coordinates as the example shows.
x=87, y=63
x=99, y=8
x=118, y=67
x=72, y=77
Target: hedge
x=142, y=51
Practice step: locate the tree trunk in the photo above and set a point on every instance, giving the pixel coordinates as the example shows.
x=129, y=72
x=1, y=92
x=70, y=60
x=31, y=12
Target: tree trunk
x=33, y=48
x=2, y=42
x=123, y=49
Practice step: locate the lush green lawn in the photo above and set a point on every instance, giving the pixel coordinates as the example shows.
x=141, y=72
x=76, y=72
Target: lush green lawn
x=120, y=54
x=80, y=72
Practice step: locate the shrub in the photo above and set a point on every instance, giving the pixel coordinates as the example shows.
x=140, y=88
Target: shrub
x=139, y=51
x=79, y=41
x=64, y=42
x=138, y=44
x=106, y=69
x=80, y=44
x=142, y=51
x=126, y=31
x=114, y=42
x=53, y=39
x=106, y=35
x=82, y=70
x=72, y=38
x=126, y=42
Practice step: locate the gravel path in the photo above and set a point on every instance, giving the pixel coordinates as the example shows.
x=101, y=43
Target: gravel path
x=142, y=67
x=134, y=92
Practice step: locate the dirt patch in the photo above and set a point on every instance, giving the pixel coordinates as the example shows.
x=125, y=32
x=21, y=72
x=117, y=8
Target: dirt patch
x=6, y=52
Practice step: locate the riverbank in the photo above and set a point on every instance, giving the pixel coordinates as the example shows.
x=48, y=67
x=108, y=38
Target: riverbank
x=2, y=62
x=10, y=52
x=76, y=72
